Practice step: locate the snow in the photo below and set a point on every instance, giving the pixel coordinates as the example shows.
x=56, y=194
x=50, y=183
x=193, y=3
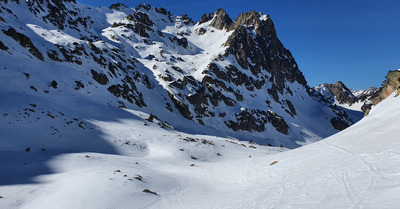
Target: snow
x=356, y=168
x=264, y=17
x=53, y=36
x=85, y=152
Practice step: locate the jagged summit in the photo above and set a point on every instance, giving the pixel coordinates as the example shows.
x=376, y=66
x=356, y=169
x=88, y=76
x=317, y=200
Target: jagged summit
x=118, y=6
x=341, y=92
x=221, y=20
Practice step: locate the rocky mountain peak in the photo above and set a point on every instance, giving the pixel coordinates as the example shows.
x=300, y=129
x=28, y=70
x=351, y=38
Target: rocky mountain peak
x=341, y=92
x=250, y=19
x=206, y=18
x=221, y=20
x=257, y=48
x=118, y=6
x=246, y=84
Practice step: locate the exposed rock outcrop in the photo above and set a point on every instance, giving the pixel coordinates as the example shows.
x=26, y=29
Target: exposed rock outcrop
x=391, y=84
x=24, y=41
x=221, y=20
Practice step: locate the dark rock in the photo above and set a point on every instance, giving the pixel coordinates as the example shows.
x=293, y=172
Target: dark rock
x=186, y=20
x=143, y=18
x=256, y=120
x=70, y=55
x=25, y=42
x=221, y=20
x=341, y=92
x=79, y=85
x=3, y=47
x=205, y=18
x=118, y=6
x=180, y=41
x=339, y=124
x=128, y=92
x=94, y=48
x=53, y=55
x=54, y=84
x=278, y=122
x=188, y=79
x=99, y=77
x=178, y=84
x=151, y=192
x=146, y=7
x=261, y=50
x=162, y=10
x=58, y=13
x=34, y=88
x=202, y=31
x=366, y=108
x=182, y=108
x=291, y=107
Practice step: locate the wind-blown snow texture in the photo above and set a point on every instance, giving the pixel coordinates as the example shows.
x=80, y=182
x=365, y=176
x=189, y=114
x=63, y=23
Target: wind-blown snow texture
x=77, y=91
x=218, y=76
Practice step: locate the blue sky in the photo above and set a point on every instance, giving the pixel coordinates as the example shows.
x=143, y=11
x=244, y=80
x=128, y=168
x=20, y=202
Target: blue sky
x=356, y=42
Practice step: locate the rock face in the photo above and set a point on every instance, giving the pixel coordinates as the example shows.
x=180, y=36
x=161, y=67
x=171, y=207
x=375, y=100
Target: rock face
x=221, y=20
x=391, y=84
x=339, y=94
x=24, y=41
x=227, y=77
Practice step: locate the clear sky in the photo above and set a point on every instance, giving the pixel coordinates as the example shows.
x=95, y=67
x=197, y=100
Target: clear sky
x=356, y=41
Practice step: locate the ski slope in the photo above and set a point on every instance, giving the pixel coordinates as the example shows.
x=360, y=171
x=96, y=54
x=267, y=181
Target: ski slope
x=356, y=168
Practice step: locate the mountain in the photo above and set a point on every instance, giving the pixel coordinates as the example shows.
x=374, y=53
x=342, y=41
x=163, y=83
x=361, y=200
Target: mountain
x=339, y=94
x=218, y=76
x=138, y=108
x=160, y=168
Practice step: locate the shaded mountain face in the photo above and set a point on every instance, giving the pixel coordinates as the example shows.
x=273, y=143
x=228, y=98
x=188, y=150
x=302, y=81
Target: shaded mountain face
x=221, y=76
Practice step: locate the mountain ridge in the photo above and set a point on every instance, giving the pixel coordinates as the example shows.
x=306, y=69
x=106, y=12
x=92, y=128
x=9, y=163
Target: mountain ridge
x=232, y=77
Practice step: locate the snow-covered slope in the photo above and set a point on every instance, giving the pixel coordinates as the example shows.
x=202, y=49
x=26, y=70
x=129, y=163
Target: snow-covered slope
x=138, y=108
x=61, y=61
x=147, y=166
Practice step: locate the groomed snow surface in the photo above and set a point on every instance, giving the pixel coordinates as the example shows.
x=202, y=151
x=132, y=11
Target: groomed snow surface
x=152, y=167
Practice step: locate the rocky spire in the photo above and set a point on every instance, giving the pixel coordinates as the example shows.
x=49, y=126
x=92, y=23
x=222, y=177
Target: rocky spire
x=262, y=51
x=221, y=20
x=206, y=18
x=118, y=6
x=341, y=92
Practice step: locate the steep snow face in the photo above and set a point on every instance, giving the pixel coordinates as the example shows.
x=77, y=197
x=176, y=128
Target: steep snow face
x=228, y=78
